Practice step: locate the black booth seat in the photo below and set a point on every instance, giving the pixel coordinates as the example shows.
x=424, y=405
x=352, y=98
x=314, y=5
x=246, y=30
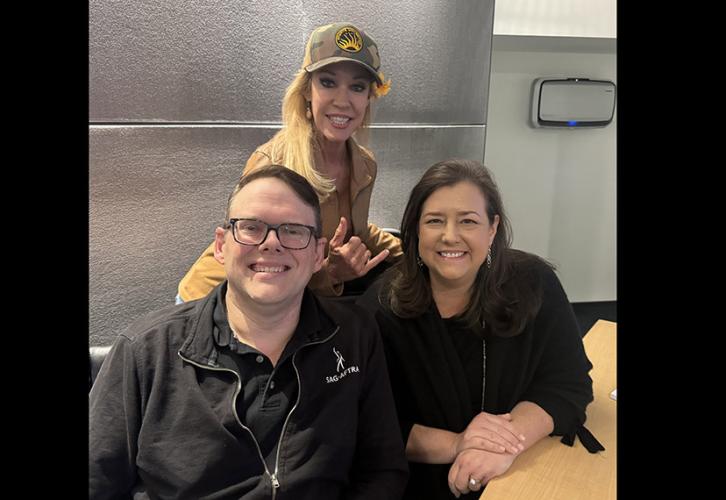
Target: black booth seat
x=96, y=355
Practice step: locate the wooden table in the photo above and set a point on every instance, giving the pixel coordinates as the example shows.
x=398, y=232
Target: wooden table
x=553, y=471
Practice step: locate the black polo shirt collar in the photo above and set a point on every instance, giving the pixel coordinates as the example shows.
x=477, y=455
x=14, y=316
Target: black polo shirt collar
x=313, y=325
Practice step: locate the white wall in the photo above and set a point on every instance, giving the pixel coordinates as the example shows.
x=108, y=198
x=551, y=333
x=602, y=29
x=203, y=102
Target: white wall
x=576, y=18
x=558, y=184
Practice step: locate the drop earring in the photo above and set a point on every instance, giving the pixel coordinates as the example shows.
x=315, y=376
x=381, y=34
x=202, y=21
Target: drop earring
x=489, y=258
x=308, y=111
x=419, y=261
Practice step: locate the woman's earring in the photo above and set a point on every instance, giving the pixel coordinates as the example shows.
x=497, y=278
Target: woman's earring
x=489, y=258
x=419, y=261
x=308, y=111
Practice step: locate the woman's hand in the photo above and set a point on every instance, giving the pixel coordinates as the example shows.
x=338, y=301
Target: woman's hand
x=474, y=468
x=488, y=432
x=350, y=260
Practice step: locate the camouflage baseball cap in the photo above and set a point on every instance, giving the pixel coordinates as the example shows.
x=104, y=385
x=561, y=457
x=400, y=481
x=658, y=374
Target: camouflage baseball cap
x=338, y=42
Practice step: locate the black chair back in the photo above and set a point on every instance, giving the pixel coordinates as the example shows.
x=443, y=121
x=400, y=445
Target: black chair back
x=96, y=355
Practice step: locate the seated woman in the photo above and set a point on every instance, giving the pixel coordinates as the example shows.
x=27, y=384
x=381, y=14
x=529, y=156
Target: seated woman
x=325, y=104
x=483, y=349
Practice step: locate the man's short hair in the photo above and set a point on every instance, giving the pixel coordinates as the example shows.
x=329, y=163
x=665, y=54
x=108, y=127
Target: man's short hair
x=292, y=179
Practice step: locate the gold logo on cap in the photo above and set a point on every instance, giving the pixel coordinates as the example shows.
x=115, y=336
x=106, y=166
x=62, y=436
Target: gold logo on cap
x=349, y=39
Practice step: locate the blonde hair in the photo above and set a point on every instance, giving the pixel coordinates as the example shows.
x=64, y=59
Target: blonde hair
x=296, y=142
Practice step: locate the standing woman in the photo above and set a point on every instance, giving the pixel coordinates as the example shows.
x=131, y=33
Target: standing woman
x=483, y=348
x=327, y=101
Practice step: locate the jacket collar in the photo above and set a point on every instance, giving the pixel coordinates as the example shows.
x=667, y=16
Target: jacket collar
x=362, y=171
x=208, y=326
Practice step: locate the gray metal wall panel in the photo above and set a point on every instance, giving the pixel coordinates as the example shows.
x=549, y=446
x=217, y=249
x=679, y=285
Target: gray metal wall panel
x=231, y=60
x=157, y=193
x=404, y=154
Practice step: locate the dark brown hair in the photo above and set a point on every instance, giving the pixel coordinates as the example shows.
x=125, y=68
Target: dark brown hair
x=504, y=297
x=300, y=186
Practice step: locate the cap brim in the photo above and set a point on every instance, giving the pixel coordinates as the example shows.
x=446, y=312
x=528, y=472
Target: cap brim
x=332, y=60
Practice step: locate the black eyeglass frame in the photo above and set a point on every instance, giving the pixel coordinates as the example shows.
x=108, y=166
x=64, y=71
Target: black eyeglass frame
x=271, y=227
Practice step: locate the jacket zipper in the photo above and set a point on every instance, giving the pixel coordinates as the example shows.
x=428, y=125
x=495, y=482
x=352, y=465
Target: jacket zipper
x=299, y=391
x=274, y=479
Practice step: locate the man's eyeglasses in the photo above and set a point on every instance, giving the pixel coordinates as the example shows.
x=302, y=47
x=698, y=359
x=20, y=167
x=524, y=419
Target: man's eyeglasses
x=253, y=232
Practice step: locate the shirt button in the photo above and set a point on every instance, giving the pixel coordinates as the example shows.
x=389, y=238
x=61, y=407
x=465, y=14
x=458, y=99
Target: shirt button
x=272, y=384
x=259, y=358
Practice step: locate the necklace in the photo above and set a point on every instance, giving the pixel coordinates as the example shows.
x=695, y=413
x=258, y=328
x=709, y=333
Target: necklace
x=483, y=366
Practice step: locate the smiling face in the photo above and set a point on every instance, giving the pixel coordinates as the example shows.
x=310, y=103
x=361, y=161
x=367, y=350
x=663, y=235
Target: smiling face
x=268, y=273
x=454, y=235
x=339, y=95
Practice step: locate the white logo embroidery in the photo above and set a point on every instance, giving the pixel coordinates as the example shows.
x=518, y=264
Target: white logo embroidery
x=340, y=360
x=341, y=369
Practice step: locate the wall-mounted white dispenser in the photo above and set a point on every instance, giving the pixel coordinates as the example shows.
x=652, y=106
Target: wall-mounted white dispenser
x=572, y=102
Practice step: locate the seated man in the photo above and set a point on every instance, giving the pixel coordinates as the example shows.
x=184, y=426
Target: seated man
x=258, y=390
